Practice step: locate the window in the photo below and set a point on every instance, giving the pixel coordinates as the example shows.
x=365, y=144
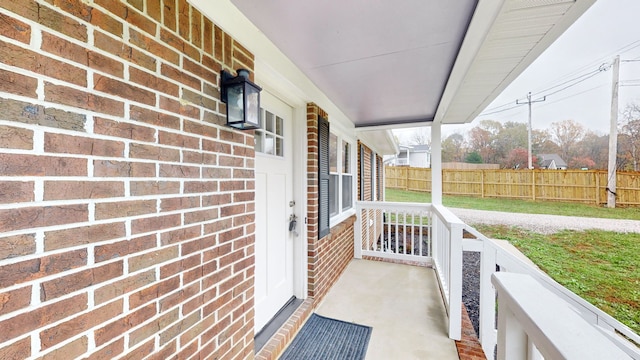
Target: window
x=270, y=136
x=335, y=167
x=341, y=178
x=347, y=178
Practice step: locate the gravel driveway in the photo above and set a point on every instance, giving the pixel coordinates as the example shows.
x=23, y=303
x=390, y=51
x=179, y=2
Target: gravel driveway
x=545, y=224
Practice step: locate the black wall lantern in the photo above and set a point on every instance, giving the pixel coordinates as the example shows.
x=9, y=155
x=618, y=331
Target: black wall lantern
x=242, y=98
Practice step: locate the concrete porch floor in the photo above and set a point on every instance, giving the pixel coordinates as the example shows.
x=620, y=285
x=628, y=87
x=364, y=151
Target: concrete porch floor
x=401, y=303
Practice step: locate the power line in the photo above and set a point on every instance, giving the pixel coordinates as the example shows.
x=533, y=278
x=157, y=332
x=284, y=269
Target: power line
x=499, y=111
x=573, y=95
x=588, y=75
x=571, y=83
x=578, y=82
x=605, y=58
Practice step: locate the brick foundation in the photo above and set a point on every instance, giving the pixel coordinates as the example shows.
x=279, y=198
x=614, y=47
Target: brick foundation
x=469, y=348
x=281, y=339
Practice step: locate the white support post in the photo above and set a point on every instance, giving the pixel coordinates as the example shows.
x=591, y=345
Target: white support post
x=436, y=163
x=357, y=234
x=487, y=336
x=455, y=283
x=512, y=340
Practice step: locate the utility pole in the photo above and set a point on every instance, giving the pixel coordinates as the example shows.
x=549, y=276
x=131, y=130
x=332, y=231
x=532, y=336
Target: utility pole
x=529, y=101
x=613, y=136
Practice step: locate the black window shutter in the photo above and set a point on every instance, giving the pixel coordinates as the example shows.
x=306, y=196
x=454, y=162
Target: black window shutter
x=362, y=175
x=380, y=174
x=323, y=177
x=373, y=172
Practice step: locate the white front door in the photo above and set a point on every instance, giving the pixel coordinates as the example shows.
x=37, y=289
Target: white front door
x=274, y=200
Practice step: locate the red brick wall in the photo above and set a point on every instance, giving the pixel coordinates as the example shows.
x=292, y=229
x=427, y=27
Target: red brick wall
x=126, y=209
x=330, y=255
x=369, y=242
x=368, y=194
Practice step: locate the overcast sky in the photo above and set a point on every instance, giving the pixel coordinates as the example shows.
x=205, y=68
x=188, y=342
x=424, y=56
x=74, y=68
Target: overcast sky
x=607, y=29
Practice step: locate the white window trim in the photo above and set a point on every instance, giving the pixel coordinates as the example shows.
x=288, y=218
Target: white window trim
x=342, y=215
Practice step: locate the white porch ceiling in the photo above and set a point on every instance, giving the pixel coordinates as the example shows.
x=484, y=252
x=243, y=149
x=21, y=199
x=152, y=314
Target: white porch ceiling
x=389, y=64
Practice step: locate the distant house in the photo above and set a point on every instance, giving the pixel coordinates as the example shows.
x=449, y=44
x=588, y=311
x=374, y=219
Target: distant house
x=412, y=155
x=552, y=162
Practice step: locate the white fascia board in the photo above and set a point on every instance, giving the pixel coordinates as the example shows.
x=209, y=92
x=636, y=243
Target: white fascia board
x=277, y=71
x=483, y=19
x=481, y=24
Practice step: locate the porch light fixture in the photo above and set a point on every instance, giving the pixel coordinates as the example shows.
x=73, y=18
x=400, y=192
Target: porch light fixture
x=242, y=98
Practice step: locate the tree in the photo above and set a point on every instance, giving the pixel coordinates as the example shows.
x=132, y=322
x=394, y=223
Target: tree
x=473, y=158
x=581, y=163
x=512, y=135
x=629, y=138
x=567, y=134
x=596, y=148
x=453, y=148
x=518, y=158
x=420, y=136
x=480, y=142
x=542, y=143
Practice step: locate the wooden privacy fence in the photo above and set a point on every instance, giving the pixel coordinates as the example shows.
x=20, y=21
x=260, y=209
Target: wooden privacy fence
x=586, y=186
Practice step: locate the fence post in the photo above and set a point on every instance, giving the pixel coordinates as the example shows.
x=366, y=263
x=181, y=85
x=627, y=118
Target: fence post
x=482, y=184
x=595, y=173
x=406, y=178
x=533, y=184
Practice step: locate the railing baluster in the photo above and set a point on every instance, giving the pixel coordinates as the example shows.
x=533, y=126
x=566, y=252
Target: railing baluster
x=420, y=234
x=366, y=226
x=430, y=234
x=405, y=214
x=397, y=225
x=388, y=238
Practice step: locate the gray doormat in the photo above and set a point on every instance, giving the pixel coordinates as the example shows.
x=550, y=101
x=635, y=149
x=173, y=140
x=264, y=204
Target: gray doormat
x=322, y=338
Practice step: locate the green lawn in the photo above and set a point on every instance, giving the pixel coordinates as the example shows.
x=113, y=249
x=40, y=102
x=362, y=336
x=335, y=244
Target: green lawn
x=602, y=267
x=517, y=206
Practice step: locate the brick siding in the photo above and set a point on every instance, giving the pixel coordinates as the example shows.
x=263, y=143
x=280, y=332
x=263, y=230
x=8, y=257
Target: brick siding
x=329, y=256
x=126, y=207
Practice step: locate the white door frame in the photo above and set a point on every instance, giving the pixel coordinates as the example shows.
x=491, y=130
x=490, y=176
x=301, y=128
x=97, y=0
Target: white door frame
x=280, y=87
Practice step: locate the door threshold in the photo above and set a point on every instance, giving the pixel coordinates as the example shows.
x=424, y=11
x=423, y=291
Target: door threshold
x=276, y=322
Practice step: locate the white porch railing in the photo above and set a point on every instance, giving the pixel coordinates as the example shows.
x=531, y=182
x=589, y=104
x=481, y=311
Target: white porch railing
x=447, y=261
x=420, y=233
x=398, y=231
x=528, y=326
x=492, y=255
x=431, y=234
